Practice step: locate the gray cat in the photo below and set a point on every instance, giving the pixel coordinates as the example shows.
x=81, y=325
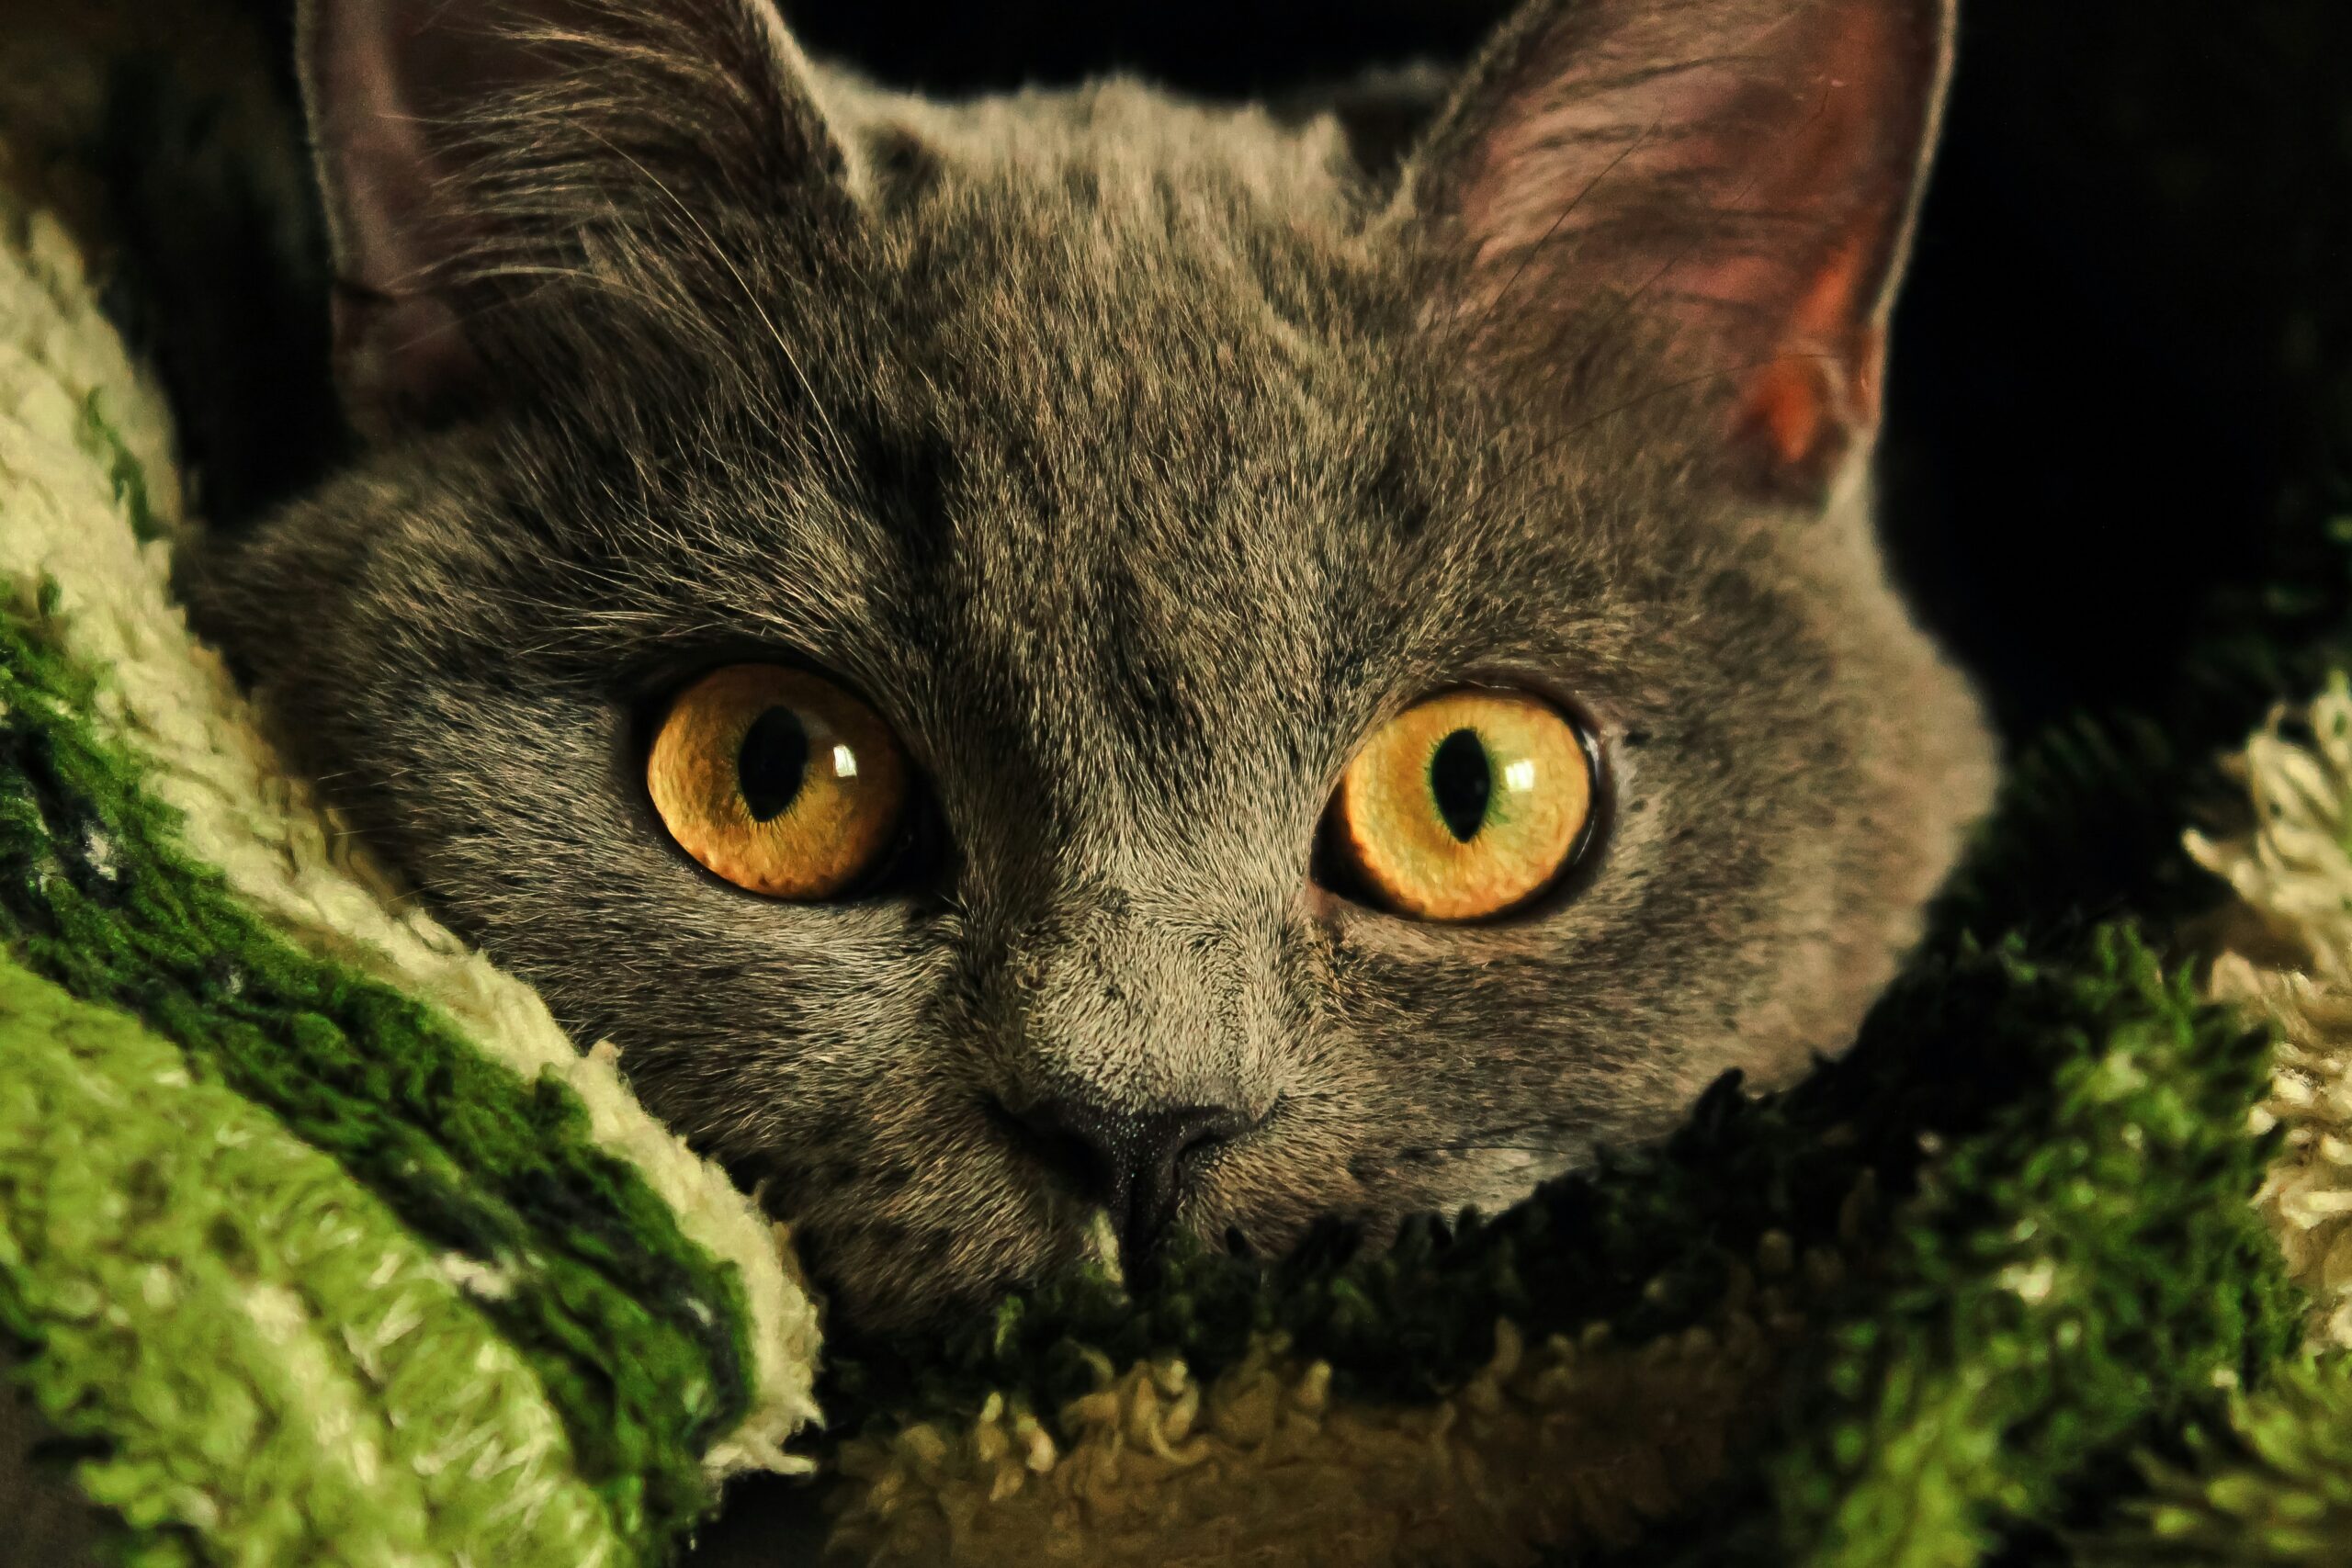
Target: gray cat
x=1082, y=654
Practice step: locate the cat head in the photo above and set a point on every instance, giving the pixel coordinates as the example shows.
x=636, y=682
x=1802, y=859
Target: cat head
x=1083, y=653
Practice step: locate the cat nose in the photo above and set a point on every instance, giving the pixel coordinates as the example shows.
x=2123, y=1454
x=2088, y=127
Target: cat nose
x=1137, y=1164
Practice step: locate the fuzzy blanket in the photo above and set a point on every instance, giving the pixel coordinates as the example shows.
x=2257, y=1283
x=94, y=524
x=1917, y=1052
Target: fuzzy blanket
x=320, y=1243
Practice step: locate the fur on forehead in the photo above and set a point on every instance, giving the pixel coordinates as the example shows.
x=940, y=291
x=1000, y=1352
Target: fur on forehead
x=1206, y=391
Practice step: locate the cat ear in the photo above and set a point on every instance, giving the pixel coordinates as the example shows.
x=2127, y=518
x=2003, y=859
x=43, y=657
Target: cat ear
x=459, y=145
x=1740, y=176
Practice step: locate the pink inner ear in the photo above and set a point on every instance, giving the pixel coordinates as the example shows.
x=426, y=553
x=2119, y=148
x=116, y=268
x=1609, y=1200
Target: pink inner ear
x=1806, y=404
x=1740, y=172
x=386, y=77
x=402, y=354
x=380, y=74
x=468, y=148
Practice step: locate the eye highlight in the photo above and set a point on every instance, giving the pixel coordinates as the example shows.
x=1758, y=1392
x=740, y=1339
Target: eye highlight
x=777, y=780
x=1466, y=804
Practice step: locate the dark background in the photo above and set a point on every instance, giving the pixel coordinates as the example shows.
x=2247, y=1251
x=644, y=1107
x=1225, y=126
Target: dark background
x=2122, y=372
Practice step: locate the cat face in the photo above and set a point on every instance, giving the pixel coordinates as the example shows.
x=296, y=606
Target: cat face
x=1114, y=473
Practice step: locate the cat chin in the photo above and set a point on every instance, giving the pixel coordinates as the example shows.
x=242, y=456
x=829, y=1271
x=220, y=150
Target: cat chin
x=877, y=1283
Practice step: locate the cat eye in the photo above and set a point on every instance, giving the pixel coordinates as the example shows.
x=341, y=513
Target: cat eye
x=1466, y=805
x=778, y=781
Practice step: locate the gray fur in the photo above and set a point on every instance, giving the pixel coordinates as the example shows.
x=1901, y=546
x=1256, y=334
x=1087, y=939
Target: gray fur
x=1112, y=449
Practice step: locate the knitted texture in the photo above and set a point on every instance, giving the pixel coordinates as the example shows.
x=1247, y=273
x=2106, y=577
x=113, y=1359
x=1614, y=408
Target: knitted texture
x=83, y=445
x=557, y=1298
x=267, y=1360
x=2271, y=1487
x=634, y=1332
x=2287, y=953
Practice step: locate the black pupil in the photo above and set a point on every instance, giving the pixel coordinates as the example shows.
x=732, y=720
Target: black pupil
x=770, y=762
x=1460, y=781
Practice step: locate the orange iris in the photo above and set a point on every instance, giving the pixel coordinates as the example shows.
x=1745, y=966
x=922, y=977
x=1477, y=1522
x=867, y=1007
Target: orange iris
x=777, y=780
x=1466, y=804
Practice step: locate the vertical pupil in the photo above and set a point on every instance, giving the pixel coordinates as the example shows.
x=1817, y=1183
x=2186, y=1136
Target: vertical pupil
x=1460, y=783
x=771, y=761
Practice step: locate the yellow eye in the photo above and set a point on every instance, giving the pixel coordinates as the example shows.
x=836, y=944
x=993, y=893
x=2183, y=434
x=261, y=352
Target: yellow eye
x=1465, y=804
x=776, y=779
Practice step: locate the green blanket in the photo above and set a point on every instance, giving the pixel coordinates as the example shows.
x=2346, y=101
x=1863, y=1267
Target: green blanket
x=320, y=1243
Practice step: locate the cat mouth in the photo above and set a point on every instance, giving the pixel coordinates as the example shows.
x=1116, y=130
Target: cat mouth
x=1136, y=1177
x=1011, y=1208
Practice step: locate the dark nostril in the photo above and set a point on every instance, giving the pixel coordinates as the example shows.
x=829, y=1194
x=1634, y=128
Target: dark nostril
x=1135, y=1163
